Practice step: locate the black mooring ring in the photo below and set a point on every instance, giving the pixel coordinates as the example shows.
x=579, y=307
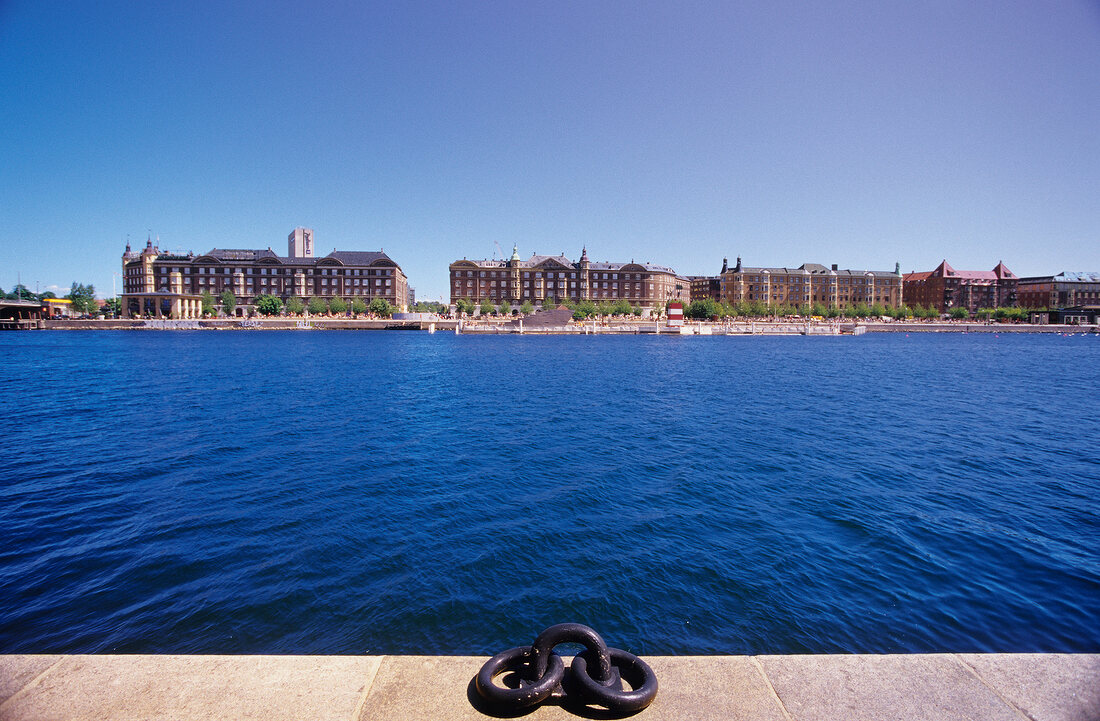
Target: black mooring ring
x=634, y=670
x=572, y=633
x=526, y=695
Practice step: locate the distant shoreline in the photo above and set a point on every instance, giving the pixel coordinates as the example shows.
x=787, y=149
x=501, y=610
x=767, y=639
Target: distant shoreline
x=473, y=327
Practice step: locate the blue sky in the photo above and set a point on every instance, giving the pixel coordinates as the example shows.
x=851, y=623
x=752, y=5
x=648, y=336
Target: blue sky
x=851, y=132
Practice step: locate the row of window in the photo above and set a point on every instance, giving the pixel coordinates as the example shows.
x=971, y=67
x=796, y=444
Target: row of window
x=548, y=274
x=201, y=270
x=798, y=278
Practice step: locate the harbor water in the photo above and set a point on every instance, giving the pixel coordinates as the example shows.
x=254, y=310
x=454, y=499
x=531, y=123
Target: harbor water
x=386, y=492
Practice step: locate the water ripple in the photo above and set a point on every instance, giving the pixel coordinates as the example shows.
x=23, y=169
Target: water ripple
x=405, y=493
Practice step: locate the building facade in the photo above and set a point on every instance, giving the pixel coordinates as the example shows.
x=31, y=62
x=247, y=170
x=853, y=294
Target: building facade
x=811, y=283
x=516, y=281
x=166, y=285
x=707, y=286
x=1065, y=290
x=945, y=288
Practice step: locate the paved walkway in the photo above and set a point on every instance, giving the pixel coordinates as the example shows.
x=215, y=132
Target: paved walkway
x=1013, y=687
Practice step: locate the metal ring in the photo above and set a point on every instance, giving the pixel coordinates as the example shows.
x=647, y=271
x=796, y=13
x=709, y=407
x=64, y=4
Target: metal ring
x=633, y=669
x=572, y=633
x=529, y=693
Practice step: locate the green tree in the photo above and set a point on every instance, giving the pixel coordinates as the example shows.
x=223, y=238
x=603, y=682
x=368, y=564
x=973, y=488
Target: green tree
x=338, y=305
x=504, y=308
x=20, y=292
x=584, y=309
x=548, y=302
x=381, y=307
x=207, y=303
x=464, y=306
x=268, y=305
x=486, y=307
x=317, y=306
x=701, y=309
x=958, y=313
x=229, y=302
x=82, y=296
x=358, y=306
x=295, y=306
x=113, y=306
x=526, y=308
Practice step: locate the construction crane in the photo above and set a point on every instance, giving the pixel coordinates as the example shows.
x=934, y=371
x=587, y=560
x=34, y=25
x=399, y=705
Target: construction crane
x=499, y=251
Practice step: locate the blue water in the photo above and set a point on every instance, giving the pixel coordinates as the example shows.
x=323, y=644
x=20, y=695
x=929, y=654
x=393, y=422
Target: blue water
x=365, y=492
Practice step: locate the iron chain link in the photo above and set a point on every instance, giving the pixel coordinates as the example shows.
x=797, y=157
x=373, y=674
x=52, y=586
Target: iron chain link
x=596, y=674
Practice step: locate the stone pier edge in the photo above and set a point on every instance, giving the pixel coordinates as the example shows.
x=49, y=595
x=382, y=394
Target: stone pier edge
x=1016, y=687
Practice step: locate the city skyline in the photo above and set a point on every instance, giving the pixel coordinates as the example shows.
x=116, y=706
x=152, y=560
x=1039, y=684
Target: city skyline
x=854, y=133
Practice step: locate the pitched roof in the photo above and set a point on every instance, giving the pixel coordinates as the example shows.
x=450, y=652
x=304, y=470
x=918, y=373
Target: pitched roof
x=1079, y=277
x=358, y=257
x=241, y=254
x=943, y=270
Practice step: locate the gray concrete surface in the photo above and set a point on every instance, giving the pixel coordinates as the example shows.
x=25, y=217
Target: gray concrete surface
x=1023, y=687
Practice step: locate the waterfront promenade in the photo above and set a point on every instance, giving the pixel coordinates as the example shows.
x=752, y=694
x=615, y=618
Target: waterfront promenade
x=493, y=326
x=930, y=687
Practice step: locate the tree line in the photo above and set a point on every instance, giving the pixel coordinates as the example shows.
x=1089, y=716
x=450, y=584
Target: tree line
x=710, y=308
x=269, y=305
x=82, y=297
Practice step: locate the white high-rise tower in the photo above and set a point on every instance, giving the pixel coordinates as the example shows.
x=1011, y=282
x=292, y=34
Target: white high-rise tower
x=300, y=243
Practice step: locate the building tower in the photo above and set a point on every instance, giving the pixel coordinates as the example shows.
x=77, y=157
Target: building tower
x=585, y=280
x=300, y=243
x=512, y=293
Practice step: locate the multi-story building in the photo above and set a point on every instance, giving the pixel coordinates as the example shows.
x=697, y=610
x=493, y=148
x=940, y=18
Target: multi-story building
x=555, y=276
x=1065, y=290
x=811, y=283
x=945, y=288
x=707, y=286
x=158, y=284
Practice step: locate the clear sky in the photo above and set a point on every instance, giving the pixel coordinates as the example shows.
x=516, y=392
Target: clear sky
x=857, y=132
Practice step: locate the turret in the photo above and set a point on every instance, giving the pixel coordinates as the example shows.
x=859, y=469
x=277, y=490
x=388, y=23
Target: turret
x=738, y=268
x=725, y=265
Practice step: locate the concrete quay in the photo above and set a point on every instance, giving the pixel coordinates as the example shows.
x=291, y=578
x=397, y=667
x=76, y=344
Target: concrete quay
x=614, y=327
x=930, y=687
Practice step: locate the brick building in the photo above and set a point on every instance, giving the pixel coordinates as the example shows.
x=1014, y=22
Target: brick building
x=159, y=284
x=945, y=288
x=811, y=283
x=555, y=276
x=1065, y=290
x=707, y=286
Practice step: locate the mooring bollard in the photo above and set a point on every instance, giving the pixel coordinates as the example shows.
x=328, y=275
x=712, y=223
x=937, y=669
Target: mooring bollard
x=596, y=673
